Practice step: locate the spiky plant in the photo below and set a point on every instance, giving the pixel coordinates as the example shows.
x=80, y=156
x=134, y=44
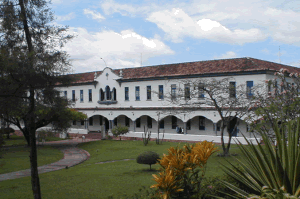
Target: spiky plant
x=276, y=167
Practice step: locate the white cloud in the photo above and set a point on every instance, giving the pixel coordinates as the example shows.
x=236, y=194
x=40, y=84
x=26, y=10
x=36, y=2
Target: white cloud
x=119, y=50
x=66, y=17
x=177, y=25
x=227, y=55
x=111, y=7
x=254, y=19
x=95, y=15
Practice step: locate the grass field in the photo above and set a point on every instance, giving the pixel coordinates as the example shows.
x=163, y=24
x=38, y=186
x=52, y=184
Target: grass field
x=90, y=180
x=20, y=141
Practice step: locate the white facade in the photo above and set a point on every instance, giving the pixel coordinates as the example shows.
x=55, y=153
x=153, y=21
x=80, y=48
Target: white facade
x=144, y=110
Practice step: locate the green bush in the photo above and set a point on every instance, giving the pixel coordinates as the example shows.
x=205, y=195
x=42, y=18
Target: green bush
x=119, y=130
x=6, y=131
x=147, y=157
x=44, y=134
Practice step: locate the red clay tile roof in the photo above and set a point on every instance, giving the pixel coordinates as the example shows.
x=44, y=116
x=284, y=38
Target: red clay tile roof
x=194, y=68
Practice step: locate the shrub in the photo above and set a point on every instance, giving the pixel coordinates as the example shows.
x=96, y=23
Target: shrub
x=119, y=130
x=44, y=134
x=6, y=131
x=148, y=157
x=146, y=136
x=183, y=170
x=270, y=170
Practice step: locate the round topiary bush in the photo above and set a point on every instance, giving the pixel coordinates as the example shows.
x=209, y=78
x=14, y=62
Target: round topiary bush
x=147, y=157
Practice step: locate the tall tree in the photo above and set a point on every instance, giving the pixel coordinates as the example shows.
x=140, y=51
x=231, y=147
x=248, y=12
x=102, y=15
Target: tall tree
x=279, y=105
x=229, y=100
x=31, y=66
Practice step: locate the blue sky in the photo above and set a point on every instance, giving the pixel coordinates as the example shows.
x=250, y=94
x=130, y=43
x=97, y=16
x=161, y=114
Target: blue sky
x=136, y=33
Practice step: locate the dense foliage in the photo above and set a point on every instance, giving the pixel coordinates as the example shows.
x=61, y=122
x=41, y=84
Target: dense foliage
x=182, y=170
x=119, y=130
x=270, y=169
x=147, y=157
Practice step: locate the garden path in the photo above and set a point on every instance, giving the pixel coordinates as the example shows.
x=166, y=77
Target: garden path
x=72, y=157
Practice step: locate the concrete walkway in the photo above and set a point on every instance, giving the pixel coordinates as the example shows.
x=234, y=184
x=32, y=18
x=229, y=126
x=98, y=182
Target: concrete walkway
x=72, y=157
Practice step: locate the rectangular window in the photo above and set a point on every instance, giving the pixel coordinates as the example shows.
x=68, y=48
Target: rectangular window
x=149, y=122
x=138, y=123
x=200, y=90
x=137, y=93
x=188, y=125
x=174, y=122
x=74, y=122
x=73, y=95
x=91, y=121
x=66, y=94
x=232, y=90
x=116, y=121
x=249, y=92
x=162, y=124
x=127, y=121
x=173, y=91
x=81, y=95
x=148, y=92
x=187, y=92
x=201, y=123
x=161, y=91
x=82, y=122
x=90, y=95
x=126, y=93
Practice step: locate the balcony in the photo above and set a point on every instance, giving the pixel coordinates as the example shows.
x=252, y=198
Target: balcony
x=107, y=102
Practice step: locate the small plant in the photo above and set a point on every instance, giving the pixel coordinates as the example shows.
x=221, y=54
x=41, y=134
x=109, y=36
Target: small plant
x=160, y=141
x=183, y=170
x=146, y=137
x=119, y=130
x=148, y=157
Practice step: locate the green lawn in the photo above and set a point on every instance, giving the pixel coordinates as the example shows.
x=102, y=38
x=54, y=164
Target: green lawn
x=90, y=180
x=20, y=140
x=17, y=158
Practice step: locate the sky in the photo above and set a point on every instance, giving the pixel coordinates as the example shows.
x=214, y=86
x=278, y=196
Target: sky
x=134, y=33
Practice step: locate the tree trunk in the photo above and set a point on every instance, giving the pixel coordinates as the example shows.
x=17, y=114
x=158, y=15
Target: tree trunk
x=222, y=141
x=26, y=135
x=35, y=182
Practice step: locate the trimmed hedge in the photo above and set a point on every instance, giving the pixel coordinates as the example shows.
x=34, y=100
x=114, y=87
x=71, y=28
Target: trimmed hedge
x=148, y=157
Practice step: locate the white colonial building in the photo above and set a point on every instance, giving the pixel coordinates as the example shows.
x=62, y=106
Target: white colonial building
x=136, y=97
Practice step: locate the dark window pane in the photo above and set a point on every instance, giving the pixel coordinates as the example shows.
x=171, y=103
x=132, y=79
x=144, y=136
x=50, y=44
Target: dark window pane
x=149, y=122
x=126, y=93
x=201, y=123
x=161, y=92
x=174, y=122
x=148, y=92
x=138, y=123
x=162, y=124
x=90, y=95
x=91, y=121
